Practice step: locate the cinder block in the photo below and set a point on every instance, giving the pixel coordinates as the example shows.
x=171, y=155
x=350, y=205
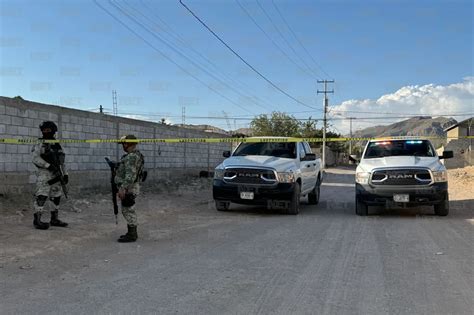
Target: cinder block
x=2, y=109
x=33, y=132
x=32, y=114
x=5, y=119
x=10, y=167
x=28, y=122
x=23, y=131
x=3, y=129
x=43, y=115
x=12, y=148
x=21, y=167
x=24, y=149
x=65, y=118
x=12, y=111
x=54, y=117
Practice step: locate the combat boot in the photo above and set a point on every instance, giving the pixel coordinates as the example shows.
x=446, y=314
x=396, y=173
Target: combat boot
x=38, y=224
x=55, y=221
x=131, y=235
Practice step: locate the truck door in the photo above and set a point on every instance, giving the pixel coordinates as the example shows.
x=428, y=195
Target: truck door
x=313, y=177
x=305, y=167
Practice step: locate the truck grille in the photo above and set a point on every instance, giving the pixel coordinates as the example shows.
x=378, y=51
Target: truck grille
x=250, y=176
x=409, y=177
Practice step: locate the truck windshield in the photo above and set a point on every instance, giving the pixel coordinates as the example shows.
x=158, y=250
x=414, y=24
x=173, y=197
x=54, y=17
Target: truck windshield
x=277, y=149
x=399, y=148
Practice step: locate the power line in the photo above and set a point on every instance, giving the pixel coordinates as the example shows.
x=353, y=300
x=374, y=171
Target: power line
x=181, y=54
x=272, y=41
x=317, y=77
x=243, y=60
x=298, y=40
x=183, y=42
x=164, y=55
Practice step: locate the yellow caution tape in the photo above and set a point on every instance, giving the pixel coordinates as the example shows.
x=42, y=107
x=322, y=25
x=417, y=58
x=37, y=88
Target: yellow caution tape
x=215, y=140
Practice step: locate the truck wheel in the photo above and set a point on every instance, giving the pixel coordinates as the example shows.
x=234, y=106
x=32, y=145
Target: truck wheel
x=294, y=206
x=222, y=205
x=442, y=209
x=313, y=196
x=361, y=208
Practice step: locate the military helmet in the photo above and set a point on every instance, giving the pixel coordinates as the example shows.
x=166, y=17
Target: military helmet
x=48, y=124
x=128, y=137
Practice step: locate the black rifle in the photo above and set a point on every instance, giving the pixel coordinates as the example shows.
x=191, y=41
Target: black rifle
x=113, y=168
x=58, y=162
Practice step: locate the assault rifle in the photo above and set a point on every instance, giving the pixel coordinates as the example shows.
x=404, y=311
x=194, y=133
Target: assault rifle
x=113, y=168
x=58, y=163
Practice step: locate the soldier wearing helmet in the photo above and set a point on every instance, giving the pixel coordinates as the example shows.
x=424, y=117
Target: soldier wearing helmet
x=48, y=159
x=128, y=176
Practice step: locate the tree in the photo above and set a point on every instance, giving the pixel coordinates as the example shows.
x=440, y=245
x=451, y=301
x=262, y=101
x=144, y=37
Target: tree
x=284, y=125
x=279, y=124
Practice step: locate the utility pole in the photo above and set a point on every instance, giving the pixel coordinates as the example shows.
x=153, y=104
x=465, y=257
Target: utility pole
x=326, y=103
x=183, y=116
x=114, y=102
x=350, y=141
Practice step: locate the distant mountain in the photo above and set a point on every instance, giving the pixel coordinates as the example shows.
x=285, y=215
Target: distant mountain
x=205, y=128
x=417, y=126
x=243, y=131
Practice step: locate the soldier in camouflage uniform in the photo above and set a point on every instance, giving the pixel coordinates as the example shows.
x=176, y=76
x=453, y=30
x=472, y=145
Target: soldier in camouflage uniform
x=46, y=157
x=127, y=178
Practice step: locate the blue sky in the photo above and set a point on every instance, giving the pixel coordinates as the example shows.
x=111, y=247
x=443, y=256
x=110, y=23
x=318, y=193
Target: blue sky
x=73, y=53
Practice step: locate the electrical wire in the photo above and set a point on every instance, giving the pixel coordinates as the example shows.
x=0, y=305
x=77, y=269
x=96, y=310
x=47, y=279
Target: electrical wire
x=165, y=42
x=286, y=41
x=245, y=61
x=298, y=40
x=273, y=42
x=184, y=43
x=164, y=55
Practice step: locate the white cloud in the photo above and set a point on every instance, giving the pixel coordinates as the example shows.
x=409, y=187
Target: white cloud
x=426, y=100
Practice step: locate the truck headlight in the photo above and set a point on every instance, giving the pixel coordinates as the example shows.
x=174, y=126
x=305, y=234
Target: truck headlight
x=286, y=177
x=219, y=173
x=441, y=176
x=362, y=177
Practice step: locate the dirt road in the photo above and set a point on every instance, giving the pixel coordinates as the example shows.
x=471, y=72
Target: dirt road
x=192, y=259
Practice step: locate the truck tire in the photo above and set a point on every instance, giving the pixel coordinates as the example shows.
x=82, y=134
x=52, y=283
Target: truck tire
x=294, y=204
x=361, y=208
x=313, y=196
x=222, y=205
x=442, y=209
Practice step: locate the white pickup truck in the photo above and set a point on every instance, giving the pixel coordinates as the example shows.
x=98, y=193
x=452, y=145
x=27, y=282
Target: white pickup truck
x=402, y=172
x=270, y=172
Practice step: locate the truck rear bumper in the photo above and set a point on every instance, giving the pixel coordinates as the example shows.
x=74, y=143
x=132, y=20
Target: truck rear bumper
x=430, y=195
x=262, y=195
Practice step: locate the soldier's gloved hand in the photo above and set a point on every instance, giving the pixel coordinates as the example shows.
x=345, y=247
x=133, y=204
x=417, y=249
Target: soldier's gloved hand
x=66, y=179
x=52, y=168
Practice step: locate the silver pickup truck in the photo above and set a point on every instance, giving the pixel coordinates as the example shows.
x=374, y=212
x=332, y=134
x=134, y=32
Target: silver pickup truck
x=404, y=173
x=273, y=172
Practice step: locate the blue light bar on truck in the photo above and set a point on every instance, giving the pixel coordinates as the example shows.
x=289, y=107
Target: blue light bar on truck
x=414, y=142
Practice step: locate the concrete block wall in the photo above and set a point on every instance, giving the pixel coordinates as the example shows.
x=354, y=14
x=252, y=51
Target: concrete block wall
x=85, y=162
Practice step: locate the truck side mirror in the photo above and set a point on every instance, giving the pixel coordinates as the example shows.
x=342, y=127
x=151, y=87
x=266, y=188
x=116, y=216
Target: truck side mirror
x=447, y=155
x=309, y=157
x=354, y=158
x=226, y=154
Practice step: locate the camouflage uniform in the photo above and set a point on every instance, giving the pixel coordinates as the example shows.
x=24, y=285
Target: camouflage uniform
x=43, y=175
x=127, y=177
